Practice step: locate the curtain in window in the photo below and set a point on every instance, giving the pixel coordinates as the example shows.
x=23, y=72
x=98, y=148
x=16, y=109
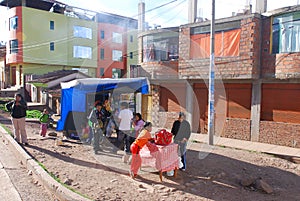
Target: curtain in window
x=227, y=44
x=285, y=30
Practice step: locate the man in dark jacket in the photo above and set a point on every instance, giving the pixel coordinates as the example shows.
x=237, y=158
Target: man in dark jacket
x=181, y=130
x=96, y=126
x=17, y=109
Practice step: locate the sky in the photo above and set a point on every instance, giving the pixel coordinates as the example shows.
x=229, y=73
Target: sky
x=173, y=14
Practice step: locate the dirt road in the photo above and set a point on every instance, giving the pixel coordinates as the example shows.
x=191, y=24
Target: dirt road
x=217, y=176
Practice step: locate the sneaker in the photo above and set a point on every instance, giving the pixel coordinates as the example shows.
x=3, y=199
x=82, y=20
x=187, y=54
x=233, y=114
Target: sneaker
x=182, y=169
x=26, y=144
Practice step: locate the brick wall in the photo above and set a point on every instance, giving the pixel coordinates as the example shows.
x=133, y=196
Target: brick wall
x=284, y=134
x=161, y=69
x=244, y=66
x=167, y=103
x=282, y=66
x=237, y=129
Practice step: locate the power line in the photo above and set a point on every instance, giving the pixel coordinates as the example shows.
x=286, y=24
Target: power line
x=169, y=10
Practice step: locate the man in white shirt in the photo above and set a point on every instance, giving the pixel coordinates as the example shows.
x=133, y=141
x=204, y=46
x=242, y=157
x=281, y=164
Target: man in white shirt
x=125, y=118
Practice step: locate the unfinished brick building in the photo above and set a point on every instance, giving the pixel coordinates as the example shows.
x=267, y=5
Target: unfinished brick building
x=257, y=76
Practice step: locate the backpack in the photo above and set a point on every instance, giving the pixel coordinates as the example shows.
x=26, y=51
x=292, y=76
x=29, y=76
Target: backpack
x=163, y=137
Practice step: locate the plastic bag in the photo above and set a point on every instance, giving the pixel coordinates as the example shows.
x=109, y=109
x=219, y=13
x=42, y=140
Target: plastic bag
x=180, y=164
x=170, y=173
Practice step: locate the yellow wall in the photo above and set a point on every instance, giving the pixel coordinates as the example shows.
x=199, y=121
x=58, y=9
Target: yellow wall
x=132, y=47
x=82, y=42
x=37, y=37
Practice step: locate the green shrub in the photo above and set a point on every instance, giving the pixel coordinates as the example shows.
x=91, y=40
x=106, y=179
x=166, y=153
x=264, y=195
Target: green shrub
x=3, y=108
x=33, y=114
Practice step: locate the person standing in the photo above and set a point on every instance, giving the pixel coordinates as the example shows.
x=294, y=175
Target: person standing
x=181, y=130
x=138, y=124
x=96, y=124
x=44, y=120
x=17, y=109
x=125, y=117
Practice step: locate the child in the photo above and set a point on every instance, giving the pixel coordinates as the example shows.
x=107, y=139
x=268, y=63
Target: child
x=44, y=119
x=85, y=130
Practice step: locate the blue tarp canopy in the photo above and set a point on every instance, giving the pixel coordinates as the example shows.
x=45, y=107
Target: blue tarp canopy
x=74, y=93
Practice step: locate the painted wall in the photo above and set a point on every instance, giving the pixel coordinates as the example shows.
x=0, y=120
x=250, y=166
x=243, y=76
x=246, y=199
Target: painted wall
x=108, y=45
x=37, y=37
x=132, y=47
x=82, y=42
x=15, y=58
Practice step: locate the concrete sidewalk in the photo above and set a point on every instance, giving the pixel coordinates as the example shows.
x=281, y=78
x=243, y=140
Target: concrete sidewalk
x=8, y=191
x=245, y=145
x=59, y=190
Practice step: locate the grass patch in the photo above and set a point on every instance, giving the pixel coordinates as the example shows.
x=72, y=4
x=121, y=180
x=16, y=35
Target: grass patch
x=59, y=181
x=6, y=129
x=3, y=108
x=33, y=114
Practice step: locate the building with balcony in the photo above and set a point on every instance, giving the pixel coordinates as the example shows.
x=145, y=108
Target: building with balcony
x=256, y=77
x=41, y=41
x=46, y=36
x=117, y=45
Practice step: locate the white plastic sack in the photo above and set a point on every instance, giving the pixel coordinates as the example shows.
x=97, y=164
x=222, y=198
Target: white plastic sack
x=170, y=173
x=180, y=165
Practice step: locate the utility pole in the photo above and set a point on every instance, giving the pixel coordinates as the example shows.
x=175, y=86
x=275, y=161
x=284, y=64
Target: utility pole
x=211, y=92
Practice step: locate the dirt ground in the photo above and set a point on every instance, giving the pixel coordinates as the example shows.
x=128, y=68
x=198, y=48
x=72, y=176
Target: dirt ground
x=217, y=176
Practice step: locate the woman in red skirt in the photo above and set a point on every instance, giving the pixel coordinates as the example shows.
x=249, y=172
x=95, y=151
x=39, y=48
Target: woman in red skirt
x=143, y=138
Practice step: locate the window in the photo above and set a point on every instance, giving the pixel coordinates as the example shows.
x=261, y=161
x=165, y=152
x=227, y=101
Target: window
x=51, y=46
x=117, y=55
x=102, y=54
x=51, y=25
x=117, y=37
x=116, y=73
x=101, y=72
x=160, y=48
x=131, y=38
x=82, y=52
x=227, y=44
x=286, y=33
x=102, y=34
x=13, y=23
x=13, y=46
x=82, y=32
x=131, y=55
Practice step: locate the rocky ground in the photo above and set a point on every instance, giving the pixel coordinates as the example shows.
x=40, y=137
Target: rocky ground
x=223, y=174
